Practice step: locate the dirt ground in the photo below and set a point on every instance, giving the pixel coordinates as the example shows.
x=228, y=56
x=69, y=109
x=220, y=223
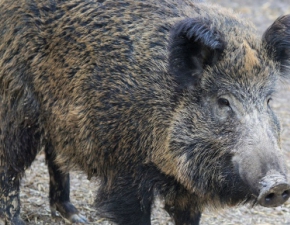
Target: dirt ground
x=34, y=194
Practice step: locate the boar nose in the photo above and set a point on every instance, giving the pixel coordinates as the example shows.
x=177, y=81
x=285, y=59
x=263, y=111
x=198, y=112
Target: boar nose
x=274, y=196
x=274, y=192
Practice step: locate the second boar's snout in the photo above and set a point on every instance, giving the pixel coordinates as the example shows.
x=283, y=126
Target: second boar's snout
x=275, y=190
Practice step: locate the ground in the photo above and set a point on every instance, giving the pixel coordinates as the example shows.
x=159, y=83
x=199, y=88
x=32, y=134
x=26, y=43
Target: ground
x=34, y=188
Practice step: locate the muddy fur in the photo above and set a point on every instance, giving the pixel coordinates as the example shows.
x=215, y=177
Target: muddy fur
x=129, y=92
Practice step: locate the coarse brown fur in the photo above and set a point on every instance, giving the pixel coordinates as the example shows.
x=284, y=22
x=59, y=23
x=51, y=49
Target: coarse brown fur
x=104, y=87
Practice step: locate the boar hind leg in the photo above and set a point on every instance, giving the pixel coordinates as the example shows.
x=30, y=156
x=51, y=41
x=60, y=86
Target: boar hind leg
x=19, y=144
x=14, y=160
x=124, y=201
x=59, y=192
x=9, y=199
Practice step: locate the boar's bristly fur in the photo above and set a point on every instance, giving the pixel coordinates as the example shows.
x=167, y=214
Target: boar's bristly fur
x=167, y=98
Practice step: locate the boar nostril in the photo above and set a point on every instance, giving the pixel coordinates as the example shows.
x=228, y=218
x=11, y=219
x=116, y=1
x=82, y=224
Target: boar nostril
x=269, y=197
x=285, y=194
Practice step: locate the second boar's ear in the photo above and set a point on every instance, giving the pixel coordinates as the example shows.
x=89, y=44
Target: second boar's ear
x=277, y=41
x=194, y=44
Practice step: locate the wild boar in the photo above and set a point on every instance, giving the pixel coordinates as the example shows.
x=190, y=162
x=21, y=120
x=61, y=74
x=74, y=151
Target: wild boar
x=167, y=98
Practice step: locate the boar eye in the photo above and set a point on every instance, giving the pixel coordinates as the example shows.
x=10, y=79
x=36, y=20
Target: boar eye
x=223, y=102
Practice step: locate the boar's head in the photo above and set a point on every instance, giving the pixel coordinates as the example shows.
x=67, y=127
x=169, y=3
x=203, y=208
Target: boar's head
x=225, y=138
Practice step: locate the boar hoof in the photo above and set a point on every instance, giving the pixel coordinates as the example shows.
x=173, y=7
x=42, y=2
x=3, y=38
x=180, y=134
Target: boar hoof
x=77, y=218
x=69, y=212
x=17, y=221
x=275, y=195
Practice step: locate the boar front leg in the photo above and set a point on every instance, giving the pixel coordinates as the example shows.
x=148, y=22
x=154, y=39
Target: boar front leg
x=182, y=207
x=125, y=200
x=59, y=191
x=183, y=216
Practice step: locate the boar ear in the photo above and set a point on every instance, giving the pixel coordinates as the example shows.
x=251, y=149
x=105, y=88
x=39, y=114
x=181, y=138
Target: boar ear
x=194, y=44
x=277, y=41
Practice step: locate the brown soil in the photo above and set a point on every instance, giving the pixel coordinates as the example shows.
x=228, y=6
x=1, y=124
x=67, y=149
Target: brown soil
x=34, y=188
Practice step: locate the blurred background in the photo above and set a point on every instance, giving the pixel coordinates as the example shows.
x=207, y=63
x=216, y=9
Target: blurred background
x=34, y=191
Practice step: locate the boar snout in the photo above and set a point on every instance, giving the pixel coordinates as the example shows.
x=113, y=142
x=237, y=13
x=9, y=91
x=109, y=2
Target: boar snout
x=275, y=190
